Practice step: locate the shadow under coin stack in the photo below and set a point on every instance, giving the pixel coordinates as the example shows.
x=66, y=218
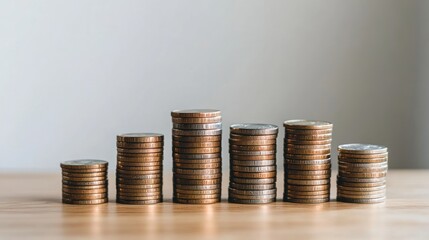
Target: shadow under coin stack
x=139, y=168
x=197, y=161
x=85, y=181
x=253, y=174
x=362, y=173
x=307, y=153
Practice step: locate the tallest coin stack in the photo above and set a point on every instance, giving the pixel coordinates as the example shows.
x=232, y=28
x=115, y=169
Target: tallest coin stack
x=197, y=162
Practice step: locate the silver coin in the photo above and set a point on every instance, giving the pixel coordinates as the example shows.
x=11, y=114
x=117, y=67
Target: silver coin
x=197, y=187
x=307, y=124
x=252, y=186
x=252, y=180
x=252, y=153
x=194, y=126
x=197, y=113
x=212, y=132
x=308, y=162
x=253, y=163
x=253, y=169
x=254, y=129
x=240, y=196
x=84, y=163
x=359, y=148
x=196, y=156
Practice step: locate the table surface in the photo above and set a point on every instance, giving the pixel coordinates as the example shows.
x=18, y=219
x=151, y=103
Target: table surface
x=30, y=207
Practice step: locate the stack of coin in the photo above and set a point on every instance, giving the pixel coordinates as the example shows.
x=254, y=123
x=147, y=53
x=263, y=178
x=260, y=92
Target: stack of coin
x=84, y=181
x=307, y=155
x=197, y=161
x=253, y=174
x=139, y=168
x=362, y=173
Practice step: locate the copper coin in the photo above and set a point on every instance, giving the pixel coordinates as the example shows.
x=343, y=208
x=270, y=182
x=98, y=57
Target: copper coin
x=134, y=168
x=363, y=201
x=127, y=181
x=197, y=144
x=251, y=201
x=139, y=194
x=251, y=197
x=307, y=124
x=252, y=137
x=314, y=172
x=84, y=164
x=140, y=150
x=307, y=157
x=195, y=113
x=196, y=201
x=362, y=174
x=85, y=171
x=252, y=186
x=137, y=159
x=197, y=187
x=252, y=147
x=197, y=192
x=197, y=166
x=362, y=185
x=197, y=150
x=365, y=156
x=253, y=180
x=308, y=162
x=84, y=175
x=196, y=156
x=139, y=186
x=85, y=191
x=152, y=175
x=85, y=179
x=253, y=158
x=198, y=161
x=253, y=129
x=140, y=145
x=308, y=177
x=136, y=190
x=361, y=170
x=252, y=153
x=197, y=126
x=296, y=146
x=198, y=177
x=84, y=196
x=215, y=138
x=182, y=181
x=308, y=131
x=308, y=151
x=308, y=142
x=252, y=192
x=87, y=187
x=315, y=188
x=197, y=196
x=361, y=194
x=89, y=183
x=363, y=160
x=359, y=148
x=361, y=189
x=308, y=167
x=138, y=198
x=309, y=201
x=254, y=175
x=360, y=180
x=196, y=119
x=212, y=132
x=146, y=202
x=342, y=195
x=362, y=165
x=251, y=142
x=309, y=137
x=300, y=194
x=308, y=182
x=85, y=202
x=140, y=137
x=253, y=163
x=198, y=171
x=254, y=169
x=130, y=156
x=308, y=196
x=124, y=164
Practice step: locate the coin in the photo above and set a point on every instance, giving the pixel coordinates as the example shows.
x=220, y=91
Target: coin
x=303, y=194
x=362, y=170
x=250, y=197
x=144, y=202
x=310, y=172
x=369, y=196
x=196, y=144
x=196, y=196
x=252, y=137
x=308, y=151
x=308, y=131
x=198, y=187
x=308, y=162
x=303, y=146
x=254, y=129
x=84, y=175
x=362, y=148
x=140, y=145
x=254, y=175
x=307, y=124
x=152, y=175
x=365, y=201
x=125, y=164
x=139, y=186
x=363, y=174
x=137, y=190
x=198, y=139
x=308, y=182
x=139, y=156
x=309, y=201
x=181, y=181
x=252, y=186
x=362, y=189
x=308, y=142
x=313, y=137
x=84, y=179
x=197, y=126
x=85, y=202
x=196, y=156
x=212, y=132
x=84, y=191
x=360, y=184
x=195, y=113
x=140, y=137
x=122, y=194
x=254, y=169
x=294, y=195
x=364, y=156
x=197, y=161
x=128, y=181
x=307, y=157
x=197, y=192
x=253, y=147
x=196, y=119
x=86, y=183
x=198, y=165
x=363, y=160
x=84, y=163
x=252, y=158
x=255, y=181
x=139, y=160
x=140, y=150
x=314, y=188
x=196, y=201
x=143, y=169
x=85, y=196
x=139, y=198
x=243, y=142
x=198, y=171
x=253, y=163
x=308, y=177
x=308, y=167
x=251, y=201
x=198, y=176
x=252, y=192
x=84, y=187
x=252, y=153
x=360, y=180
x=197, y=150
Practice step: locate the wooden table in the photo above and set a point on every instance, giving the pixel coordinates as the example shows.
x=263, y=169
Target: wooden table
x=31, y=208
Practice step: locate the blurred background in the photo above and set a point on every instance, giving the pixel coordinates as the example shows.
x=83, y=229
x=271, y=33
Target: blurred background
x=73, y=74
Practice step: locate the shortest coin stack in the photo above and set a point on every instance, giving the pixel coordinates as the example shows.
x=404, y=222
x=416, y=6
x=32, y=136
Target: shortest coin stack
x=84, y=181
x=252, y=149
x=362, y=173
x=139, y=168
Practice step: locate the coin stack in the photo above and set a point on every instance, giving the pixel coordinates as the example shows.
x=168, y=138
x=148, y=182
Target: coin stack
x=197, y=161
x=84, y=181
x=253, y=175
x=362, y=173
x=139, y=168
x=307, y=155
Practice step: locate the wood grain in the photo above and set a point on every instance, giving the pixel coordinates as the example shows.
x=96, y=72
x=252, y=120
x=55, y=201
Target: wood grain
x=31, y=208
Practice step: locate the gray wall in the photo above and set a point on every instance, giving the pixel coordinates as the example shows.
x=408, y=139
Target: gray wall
x=73, y=74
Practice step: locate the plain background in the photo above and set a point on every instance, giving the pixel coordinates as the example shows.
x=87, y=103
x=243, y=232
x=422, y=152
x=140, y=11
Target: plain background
x=73, y=74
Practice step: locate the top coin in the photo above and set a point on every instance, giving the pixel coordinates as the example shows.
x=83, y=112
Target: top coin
x=84, y=163
x=360, y=148
x=140, y=137
x=197, y=113
x=307, y=124
x=254, y=129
